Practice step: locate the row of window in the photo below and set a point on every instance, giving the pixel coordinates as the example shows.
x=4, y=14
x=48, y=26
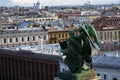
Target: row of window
x=109, y=35
x=22, y=39
x=43, y=19
x=113, y=22
x=63, y=35
x=105, y=77
x=20, y=31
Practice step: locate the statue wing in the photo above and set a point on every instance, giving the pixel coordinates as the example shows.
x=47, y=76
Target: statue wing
x=92, y=33
x=87, y=33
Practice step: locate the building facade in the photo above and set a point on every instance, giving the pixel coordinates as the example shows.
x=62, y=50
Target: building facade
x=41, y=18
x=107, y=67
x=109, y=35
x=56, y=36
x=28, y=66
x=15, y=38
x=108, y=30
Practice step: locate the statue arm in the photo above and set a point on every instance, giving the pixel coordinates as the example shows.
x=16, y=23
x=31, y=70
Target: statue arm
x=65, y=51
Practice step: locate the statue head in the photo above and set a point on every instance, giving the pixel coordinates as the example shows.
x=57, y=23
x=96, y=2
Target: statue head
x=71, y=33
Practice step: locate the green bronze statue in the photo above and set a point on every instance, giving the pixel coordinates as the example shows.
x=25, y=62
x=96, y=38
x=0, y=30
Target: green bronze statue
x=79, y=48
x=74, y=58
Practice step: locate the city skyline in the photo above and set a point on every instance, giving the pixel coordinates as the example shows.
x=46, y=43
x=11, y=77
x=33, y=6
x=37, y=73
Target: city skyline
x=55, y=2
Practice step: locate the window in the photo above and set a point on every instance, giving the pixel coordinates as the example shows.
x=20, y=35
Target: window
x=62, y=35
x=5, y=41
x=105, y=36
x=111, y=35
x=104, y=77
x=98, y=74
x=115, y=79
x=28, y=39
x=22, y=39
x=59, y=35
x=16, y=39
x=108, y=34
x=33, y=38
x=10, y=40
x=44, y=37
x=54, y=41
x=66, y=35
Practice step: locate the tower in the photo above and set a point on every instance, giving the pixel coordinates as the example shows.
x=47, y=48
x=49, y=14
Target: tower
x=38, y=5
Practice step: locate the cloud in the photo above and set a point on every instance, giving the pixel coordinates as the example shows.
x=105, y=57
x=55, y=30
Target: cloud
x=24, y=2
x=62, y=2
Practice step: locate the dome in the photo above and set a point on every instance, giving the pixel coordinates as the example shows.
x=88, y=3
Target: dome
x=38, y=3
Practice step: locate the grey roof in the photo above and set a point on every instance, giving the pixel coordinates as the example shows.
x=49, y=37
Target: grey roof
x=29, y=54
x=103, y=61
x=24, y=23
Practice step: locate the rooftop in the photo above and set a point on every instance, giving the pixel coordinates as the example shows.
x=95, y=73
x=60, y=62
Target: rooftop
x=103, y=61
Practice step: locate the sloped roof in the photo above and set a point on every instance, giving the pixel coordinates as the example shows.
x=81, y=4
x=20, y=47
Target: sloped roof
x=107, y=62
x=24, y=24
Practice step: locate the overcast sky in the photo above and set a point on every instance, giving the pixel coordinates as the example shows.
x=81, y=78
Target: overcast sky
x=56, y=2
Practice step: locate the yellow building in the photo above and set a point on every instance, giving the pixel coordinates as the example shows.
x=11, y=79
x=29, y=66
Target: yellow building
x=56, y=36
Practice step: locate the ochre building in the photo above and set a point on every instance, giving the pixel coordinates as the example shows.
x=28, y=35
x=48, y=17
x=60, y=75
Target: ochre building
x=56, y=36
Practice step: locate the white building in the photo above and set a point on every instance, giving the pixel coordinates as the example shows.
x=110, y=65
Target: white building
x=107, y=67
x=15, y=38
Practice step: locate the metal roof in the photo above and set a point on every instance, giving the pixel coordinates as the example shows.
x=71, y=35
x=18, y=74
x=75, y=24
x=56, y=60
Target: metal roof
x=104, y=61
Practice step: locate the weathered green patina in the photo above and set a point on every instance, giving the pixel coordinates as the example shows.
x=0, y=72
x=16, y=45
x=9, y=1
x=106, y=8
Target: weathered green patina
x=79, y=48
